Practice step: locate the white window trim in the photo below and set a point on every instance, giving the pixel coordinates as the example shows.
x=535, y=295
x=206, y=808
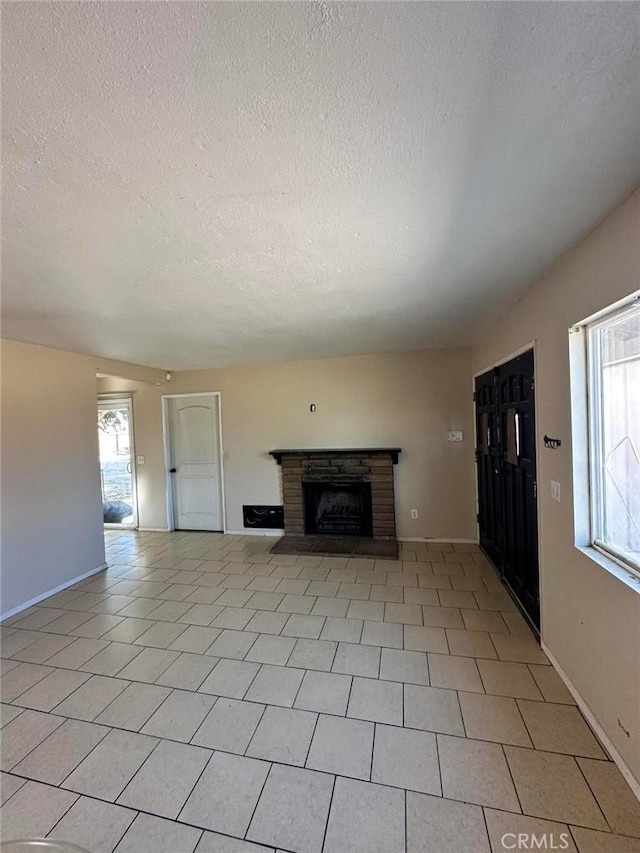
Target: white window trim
x=615, y=560
x=611, y=565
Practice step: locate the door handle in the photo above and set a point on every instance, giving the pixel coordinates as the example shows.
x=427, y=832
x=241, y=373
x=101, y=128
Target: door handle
x=172, y=470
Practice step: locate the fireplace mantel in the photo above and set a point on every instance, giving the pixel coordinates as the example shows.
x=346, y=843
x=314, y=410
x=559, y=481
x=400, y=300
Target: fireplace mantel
x=310, y=452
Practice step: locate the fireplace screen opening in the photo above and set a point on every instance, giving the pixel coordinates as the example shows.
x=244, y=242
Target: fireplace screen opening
x=338, y=509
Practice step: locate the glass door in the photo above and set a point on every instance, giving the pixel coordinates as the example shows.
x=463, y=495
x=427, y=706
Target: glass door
x=117, y=462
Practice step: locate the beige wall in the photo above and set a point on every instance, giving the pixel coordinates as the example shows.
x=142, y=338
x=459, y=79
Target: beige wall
x=590, y=619
x=51, y=504
x=407, y=400
x=51, y=501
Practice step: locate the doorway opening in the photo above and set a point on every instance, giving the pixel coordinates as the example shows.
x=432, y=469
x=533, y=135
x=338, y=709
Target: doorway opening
x=193, y=459
x=117, y=462
x=507, y=478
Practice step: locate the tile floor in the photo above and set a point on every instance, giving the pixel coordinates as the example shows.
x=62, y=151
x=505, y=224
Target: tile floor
x=205, y=695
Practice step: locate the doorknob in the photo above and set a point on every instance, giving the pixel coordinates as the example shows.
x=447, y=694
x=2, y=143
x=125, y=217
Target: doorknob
x=172, y=470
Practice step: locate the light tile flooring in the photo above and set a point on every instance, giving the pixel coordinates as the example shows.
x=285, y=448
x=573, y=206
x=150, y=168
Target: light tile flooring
x=202, y=694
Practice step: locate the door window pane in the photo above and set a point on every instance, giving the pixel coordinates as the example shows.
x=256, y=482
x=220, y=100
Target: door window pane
x=116, y=464
x=484, y=433
x=513, y=437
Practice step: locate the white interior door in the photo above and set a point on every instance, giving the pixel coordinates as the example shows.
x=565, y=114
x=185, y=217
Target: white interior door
x=195, y=462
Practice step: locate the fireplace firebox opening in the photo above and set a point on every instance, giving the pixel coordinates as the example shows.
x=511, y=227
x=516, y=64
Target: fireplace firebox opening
x=338, y=509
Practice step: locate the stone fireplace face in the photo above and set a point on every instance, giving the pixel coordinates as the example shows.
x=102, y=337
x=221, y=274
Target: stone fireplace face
x=325, y=488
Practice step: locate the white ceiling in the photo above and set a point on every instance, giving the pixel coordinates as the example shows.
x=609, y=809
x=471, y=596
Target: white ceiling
x=196, y=184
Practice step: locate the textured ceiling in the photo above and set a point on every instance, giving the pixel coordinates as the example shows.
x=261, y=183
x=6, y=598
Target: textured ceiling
x=197, y=184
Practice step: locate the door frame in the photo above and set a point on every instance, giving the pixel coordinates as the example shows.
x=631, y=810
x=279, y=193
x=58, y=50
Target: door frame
x=125, y=397
x=532, y=345
x=166, y=441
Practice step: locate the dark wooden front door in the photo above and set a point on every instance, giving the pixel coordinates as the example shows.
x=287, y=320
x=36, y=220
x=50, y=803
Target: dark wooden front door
x=507, y=488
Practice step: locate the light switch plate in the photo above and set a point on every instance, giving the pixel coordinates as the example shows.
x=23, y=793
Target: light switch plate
x=555, y=491
x=455, y=435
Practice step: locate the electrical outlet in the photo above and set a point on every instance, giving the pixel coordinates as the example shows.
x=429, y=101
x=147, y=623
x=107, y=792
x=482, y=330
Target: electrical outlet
x=555, y=491
x=140, y=460
x=414, y=513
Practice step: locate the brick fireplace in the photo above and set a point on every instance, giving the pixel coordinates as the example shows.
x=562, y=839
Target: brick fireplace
x=336, y=494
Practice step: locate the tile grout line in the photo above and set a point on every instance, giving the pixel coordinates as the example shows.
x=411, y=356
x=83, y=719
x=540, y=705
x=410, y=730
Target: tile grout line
x=373, y=749
x=311, y=770
x=27, y=754
x=129, y=808
x=192, y=789
x=139, y=729
x=252, y=701
x=299, y=688
x=65, y=813
x=259, y=797
x=127, y=830
x=406, y=824
x=94, y=722
x=524, y=722
x=513, y=781
x=205, y=654
x=437, y=742
x=486, y=825
x=326, y=826
x=464, y=725
x=346, y=710
x=592, y=792
x=315, y=728
x=200, y=724
x=87, y=681
x=22, y=692
x=178, y=620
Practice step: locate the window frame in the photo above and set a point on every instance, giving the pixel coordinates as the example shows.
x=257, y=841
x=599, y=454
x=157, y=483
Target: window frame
x=595, y=418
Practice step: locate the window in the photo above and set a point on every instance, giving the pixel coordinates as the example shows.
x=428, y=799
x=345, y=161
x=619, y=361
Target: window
x=613, y=356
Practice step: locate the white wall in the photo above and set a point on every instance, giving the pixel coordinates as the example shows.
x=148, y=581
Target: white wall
x=590, y=618
x=51, y=503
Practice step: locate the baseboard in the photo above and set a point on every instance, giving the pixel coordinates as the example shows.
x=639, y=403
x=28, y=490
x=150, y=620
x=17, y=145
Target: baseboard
x=49, y=592
x=227, y=532
x=634, y=783
x=255, y=532
x=426, y=540
x=246, y=532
